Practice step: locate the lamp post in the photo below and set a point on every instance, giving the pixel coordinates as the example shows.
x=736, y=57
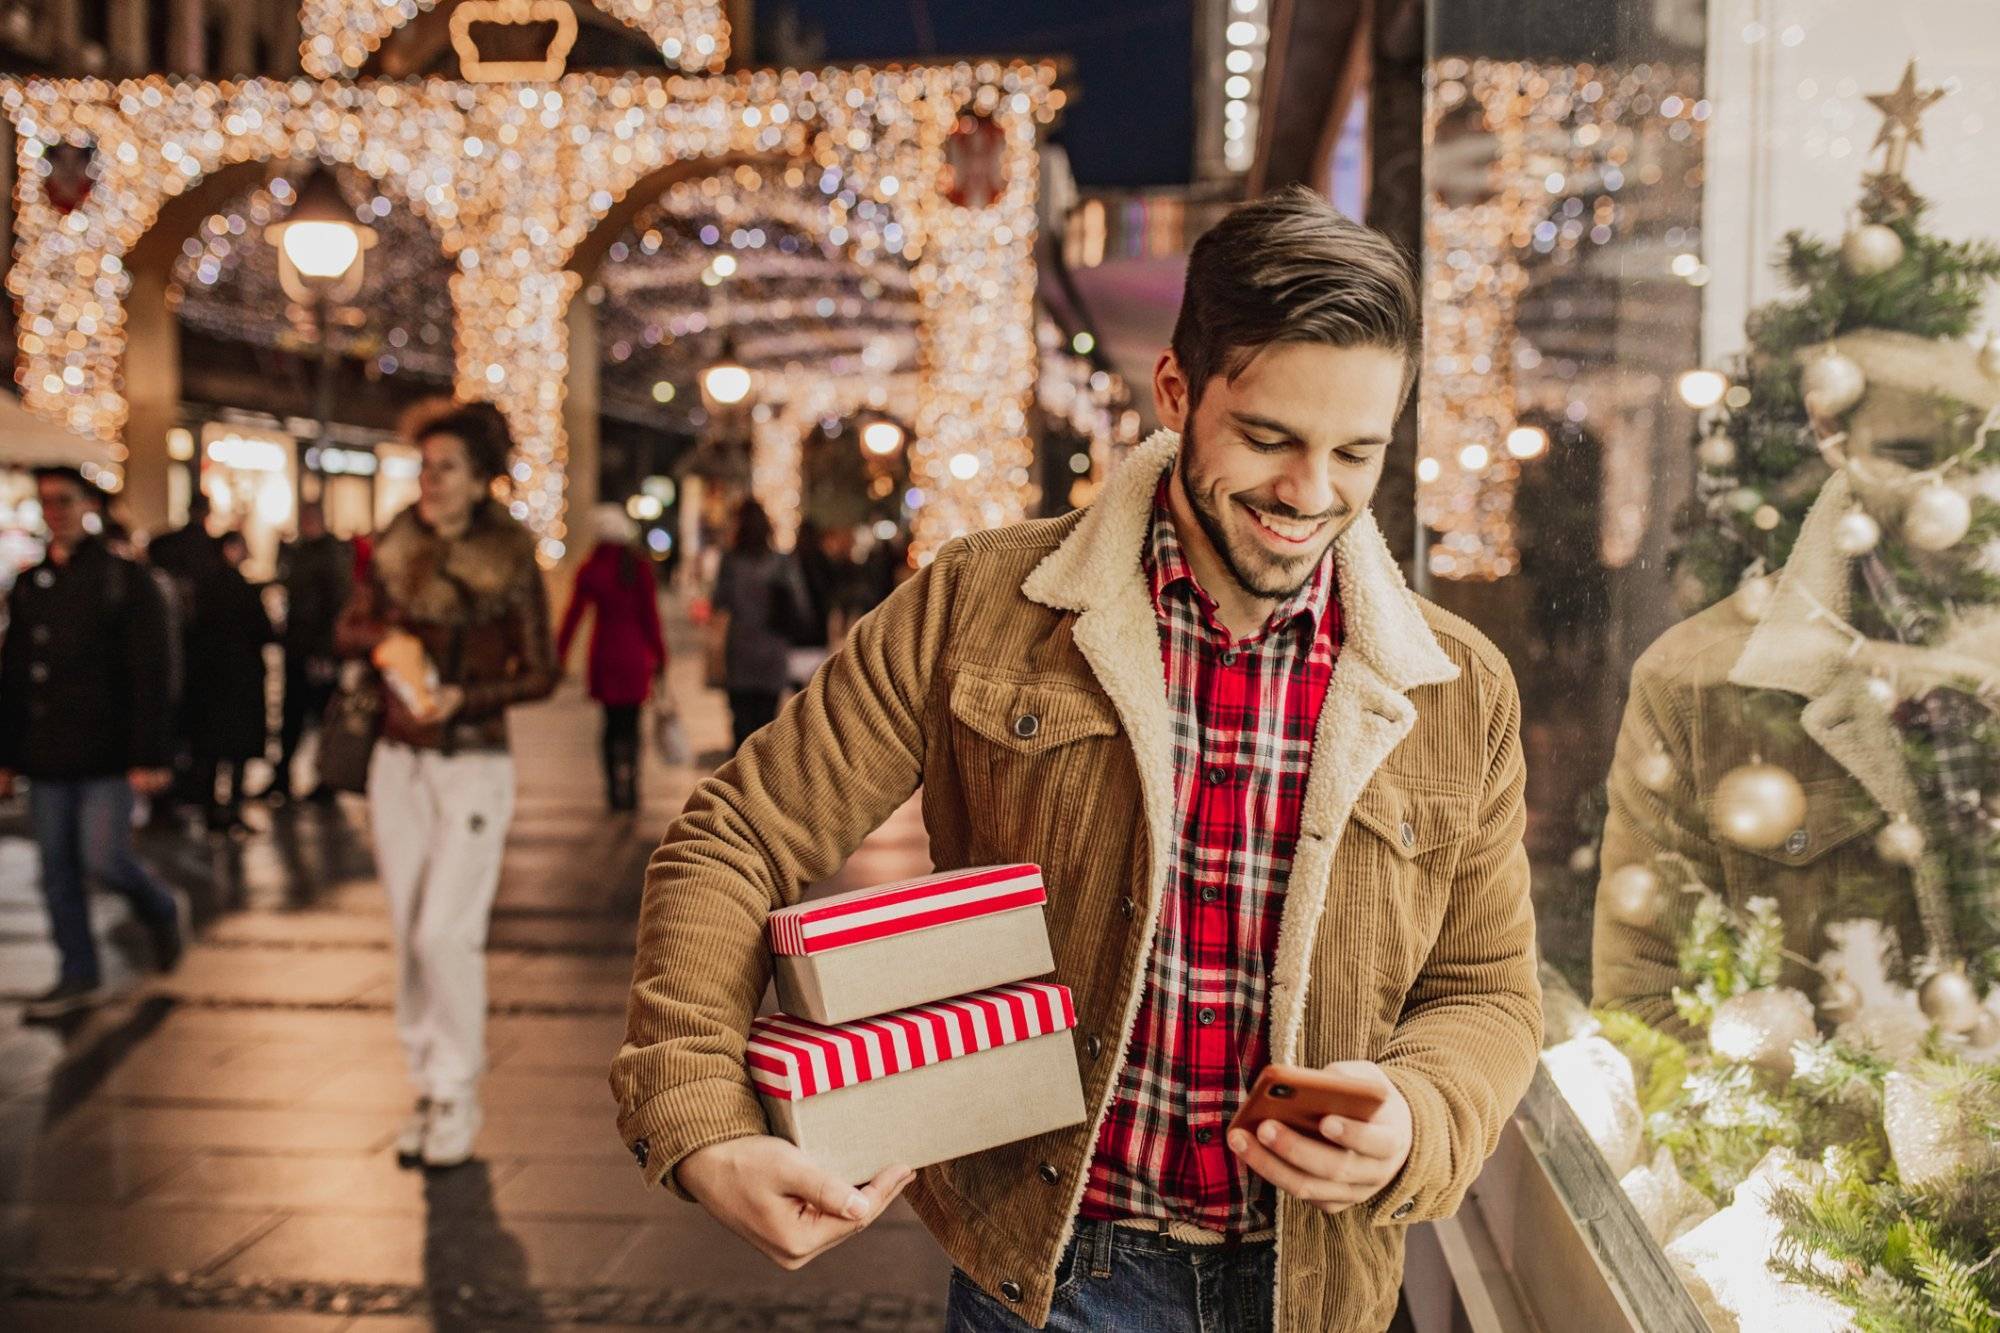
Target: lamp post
x=320, y=247
x=726, y=381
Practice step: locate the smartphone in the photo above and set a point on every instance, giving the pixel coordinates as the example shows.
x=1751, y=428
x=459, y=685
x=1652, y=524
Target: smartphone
x=1302, y=1098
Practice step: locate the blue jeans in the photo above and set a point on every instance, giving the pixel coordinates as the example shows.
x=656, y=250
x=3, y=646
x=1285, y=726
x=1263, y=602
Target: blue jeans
x=1116, y=1280
x=84, y=828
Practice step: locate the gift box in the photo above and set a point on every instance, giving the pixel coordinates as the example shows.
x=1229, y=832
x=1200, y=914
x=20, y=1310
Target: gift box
x=923, y=1084
x=873, y=950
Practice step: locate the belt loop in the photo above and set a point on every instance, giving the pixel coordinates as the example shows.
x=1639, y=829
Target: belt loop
x=1232, y=1243
x=1100, y=1258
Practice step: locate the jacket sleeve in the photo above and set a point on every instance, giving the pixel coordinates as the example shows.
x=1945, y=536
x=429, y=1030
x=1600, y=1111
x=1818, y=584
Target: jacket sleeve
x=13, y=698
x=786, y=812
x=572, y=617
x=534, y=662
x=148, y=670
x=1471, y=1028
x=1635, y=966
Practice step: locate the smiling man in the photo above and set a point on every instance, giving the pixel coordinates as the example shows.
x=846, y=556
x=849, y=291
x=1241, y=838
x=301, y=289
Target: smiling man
x=1277, y=800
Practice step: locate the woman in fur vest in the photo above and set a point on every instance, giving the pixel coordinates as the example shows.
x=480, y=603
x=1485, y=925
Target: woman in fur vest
x=454, y=616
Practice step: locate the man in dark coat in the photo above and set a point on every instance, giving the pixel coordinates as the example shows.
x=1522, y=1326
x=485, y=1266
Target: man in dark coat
x=189, y=556
x=317, y=572
x=225, y=707
x=83, y=717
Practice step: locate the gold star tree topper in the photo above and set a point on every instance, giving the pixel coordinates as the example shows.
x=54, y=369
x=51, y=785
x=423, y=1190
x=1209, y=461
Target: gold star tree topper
x=1902, y=118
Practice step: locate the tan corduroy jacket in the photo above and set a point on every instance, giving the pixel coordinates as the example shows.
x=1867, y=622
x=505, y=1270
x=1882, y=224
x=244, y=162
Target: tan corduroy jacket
x=1407, y=934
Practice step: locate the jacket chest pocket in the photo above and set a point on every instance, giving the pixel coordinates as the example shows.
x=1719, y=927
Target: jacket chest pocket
x=1396, y=861
x=1032, y=756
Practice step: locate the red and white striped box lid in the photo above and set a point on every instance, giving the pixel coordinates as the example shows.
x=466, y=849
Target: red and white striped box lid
x=794, y=1058
x=907, y=905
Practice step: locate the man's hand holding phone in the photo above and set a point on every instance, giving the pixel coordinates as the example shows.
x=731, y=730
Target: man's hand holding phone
x=1355, y=1151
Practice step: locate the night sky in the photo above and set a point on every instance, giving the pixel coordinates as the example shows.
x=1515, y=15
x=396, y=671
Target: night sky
x=1132, y=120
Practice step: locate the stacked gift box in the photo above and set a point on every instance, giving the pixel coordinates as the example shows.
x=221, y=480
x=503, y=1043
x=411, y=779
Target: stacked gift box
x=910, y=1033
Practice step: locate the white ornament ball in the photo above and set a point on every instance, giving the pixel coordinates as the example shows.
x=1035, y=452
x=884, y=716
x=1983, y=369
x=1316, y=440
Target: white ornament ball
x=1757, y=806
x=1900, y=842
x=1717, y=453
x=1760, y=1026
x=1881, y=691
x=1833, y=383
x=1871, y=250
x=1753, y=596
x=1989, y=356
x=1655, y=771
x=1938, y=518
x=1950, y=1000
x=1635, y=895
x=1856, y=534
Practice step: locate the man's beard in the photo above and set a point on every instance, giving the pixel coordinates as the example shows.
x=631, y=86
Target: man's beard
x=1255, y=571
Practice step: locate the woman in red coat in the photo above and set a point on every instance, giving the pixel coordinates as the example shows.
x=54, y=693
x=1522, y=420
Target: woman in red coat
x=627, y=652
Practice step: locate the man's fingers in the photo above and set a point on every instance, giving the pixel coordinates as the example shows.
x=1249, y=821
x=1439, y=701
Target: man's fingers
x=828, y=1194
x=1370, y=1140
x=1310, y=1156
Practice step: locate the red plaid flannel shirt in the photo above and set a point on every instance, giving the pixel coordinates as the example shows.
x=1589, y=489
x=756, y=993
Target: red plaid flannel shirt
x=1243, y=720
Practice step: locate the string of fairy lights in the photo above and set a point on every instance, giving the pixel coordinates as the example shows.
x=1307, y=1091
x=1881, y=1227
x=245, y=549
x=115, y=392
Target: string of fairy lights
x=338, y=36
x=1525, y=159
x=512, y=179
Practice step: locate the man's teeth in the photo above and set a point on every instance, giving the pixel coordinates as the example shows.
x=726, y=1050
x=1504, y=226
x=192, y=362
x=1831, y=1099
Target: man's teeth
x=1291, y=528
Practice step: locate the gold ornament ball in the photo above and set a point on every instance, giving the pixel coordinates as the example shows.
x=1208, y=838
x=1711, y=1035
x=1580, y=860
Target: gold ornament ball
x=1871, y=250
x=1635, y=895
x=1950, y=1000
x=1757, y=806
x=1654, y=771
x=1900, y=842
x=1753, y=597
x=1833, y=383
x=1938, y=518
x=1989, y=356
x=1856, y=534
x=1760, y=1027
x=1717, y=453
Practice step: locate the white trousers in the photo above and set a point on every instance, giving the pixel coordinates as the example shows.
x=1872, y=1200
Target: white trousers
x=440, y=828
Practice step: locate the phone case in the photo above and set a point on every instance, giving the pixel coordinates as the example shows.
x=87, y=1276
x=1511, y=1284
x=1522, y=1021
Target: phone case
x=1302, y=1098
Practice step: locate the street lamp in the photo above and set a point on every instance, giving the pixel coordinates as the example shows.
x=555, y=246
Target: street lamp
x=727, y=380
x=320, y=249
x=881, y=437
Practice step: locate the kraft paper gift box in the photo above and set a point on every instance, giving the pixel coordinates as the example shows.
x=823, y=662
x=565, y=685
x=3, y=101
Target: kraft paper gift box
x=872, y=950
x=921, y=1085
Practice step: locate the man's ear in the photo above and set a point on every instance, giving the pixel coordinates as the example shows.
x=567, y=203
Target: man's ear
x=1171, y=398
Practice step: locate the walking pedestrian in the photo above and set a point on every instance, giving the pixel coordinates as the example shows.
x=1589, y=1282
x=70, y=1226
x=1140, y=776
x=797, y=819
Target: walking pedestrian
x=764, y=599
x=628, y=654
x=189, y=556
x=452, y=592
x=317, y=571
x=225, y=708
x=83, y=717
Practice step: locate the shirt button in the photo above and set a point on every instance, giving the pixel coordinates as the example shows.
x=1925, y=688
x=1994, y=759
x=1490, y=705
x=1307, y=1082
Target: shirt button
x=1027, y=725
x=1204, y=1134
x=1206, y=1016
x=1209, y=893
x=1048, y=1174
x=1229, y=657
x=1011, y=1290
x=1217, y=775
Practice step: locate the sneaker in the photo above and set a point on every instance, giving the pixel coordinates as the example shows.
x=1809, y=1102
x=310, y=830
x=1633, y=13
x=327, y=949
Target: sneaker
x=453, y=1126
x=410, y=1140
x=65, y=997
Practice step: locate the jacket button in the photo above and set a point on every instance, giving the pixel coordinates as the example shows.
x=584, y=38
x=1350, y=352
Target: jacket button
x=1092, y=1046
x=1797, y=842
x=1403, y=1210
x=1126, y=908
x=1048, y=1174
x=1027, y=725
x=1409, y=835
x=39, y=672
x=641, y=1150
x=1011, y=1290
x=40, y=634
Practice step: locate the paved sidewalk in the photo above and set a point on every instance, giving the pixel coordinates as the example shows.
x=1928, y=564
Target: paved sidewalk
x=212, y=1151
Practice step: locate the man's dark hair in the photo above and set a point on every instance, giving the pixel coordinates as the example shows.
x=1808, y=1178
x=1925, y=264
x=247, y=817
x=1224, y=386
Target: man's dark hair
x=63, y=472
x=1290, y=268
x=488, y=442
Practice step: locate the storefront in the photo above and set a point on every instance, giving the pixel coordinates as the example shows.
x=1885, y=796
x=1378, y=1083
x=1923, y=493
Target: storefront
x=1710, y=445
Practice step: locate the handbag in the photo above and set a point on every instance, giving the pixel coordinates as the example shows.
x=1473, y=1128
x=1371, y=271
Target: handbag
x=670, y=737
x=350, y=729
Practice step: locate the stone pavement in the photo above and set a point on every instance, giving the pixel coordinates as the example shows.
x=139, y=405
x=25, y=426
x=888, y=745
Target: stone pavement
x=211, y=1152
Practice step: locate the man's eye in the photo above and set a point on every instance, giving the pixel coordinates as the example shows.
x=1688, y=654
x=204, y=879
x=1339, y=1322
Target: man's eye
x=1265, y=446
